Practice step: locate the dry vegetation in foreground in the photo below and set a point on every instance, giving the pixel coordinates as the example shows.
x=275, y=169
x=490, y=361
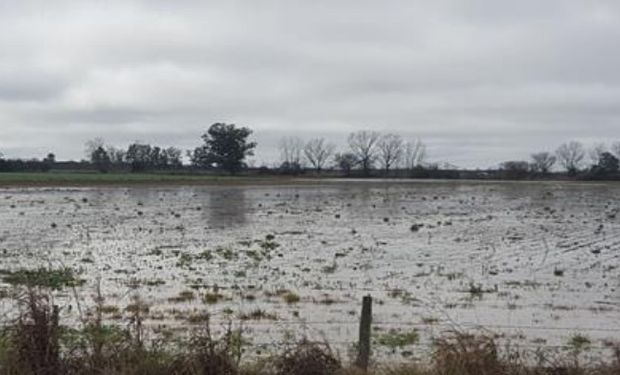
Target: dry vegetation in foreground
x=37, y=344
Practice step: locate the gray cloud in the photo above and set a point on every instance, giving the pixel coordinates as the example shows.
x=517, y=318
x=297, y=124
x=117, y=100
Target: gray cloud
x=480, y=81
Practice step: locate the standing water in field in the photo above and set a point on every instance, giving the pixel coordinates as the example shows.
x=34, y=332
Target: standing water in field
x=534, y=261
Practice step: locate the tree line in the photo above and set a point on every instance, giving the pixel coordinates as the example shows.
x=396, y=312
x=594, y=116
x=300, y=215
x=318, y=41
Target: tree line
x=226, y=147
x=597, y=162
x=367, y=150
x=139, y=157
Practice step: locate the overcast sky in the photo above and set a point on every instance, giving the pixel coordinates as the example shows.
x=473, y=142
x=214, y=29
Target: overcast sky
x=479, y=81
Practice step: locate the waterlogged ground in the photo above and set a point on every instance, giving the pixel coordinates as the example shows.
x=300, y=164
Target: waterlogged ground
x=534, y=262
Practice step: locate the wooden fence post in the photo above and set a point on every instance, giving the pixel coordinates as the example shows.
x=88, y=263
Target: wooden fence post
x=363, y=354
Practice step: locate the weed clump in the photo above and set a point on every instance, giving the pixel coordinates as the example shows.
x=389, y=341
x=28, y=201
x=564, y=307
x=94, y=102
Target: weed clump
x=212, y=298
x=291, y=298
x=184, y=296
x=35, y=337
x=467, y=355
x=258, y=314
x=307, y=358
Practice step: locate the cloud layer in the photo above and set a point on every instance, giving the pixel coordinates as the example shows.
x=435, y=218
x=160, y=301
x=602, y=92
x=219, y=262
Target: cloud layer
x=480, y=81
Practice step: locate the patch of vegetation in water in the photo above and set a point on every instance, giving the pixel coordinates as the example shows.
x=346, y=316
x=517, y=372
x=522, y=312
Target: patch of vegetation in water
x=579, y=342
x=291, y=298
x=330, y=268
x=205, y=255
x=55, y=279
x=226, y=253
x=258, y=314
x=185, y=260
x=184, y=296
x=269, y=244
x=394, y=339
x=212, y=298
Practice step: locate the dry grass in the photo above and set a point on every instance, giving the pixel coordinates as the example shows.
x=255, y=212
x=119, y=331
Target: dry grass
x=37, y=344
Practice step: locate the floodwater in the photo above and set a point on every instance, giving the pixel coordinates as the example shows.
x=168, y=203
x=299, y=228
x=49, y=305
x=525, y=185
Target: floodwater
x=535, y=262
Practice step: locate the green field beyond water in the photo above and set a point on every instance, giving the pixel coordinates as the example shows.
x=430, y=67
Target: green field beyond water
x=97, y=179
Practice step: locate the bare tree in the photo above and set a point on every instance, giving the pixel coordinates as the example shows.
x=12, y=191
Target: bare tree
x=390, y=148
x=542, y=162
x=596, y=151
x=363, y=145
x=570, y=155
x=291, y=149
x=415, y=153
x=318, y=152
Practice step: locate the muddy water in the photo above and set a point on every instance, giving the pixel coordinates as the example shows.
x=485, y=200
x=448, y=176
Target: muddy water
x=536, y=262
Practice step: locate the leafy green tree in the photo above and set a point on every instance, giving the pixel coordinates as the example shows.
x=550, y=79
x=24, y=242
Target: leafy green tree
x=225, y=147
x=139, y=156
x=608, y=163
x=49, y=161
x=101, y=159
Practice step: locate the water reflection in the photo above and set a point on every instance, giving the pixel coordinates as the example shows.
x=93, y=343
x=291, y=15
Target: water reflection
x=225, y=207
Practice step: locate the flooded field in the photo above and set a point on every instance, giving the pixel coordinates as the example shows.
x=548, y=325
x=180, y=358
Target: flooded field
x=535, y=262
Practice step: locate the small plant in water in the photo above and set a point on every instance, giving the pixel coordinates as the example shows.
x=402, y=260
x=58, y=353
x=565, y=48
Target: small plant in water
x=291, y=298
x=394, y=339
x=579, y=342
x=331, y=268
x=212, y=298
x=258, y=314
x=184, y=296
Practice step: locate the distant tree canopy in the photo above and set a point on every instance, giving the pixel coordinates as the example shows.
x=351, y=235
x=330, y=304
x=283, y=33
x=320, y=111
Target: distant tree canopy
x=32, y=165
x=100, y=159
x=570, y=155
x=515, y=169
x=608, y=163
x=50, y=158
x=391, y=150
x=318, y=152
x=49, y=161
x=225, y=147
x=615, y=148
x=414, y=155
x=363, y=145
x=139, y=156
x=542, y=162
x=346, y=162
x=291, y=155
x=143, y=157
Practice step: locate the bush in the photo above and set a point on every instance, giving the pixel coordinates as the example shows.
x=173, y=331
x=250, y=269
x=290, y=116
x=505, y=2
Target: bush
x=307, y=358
